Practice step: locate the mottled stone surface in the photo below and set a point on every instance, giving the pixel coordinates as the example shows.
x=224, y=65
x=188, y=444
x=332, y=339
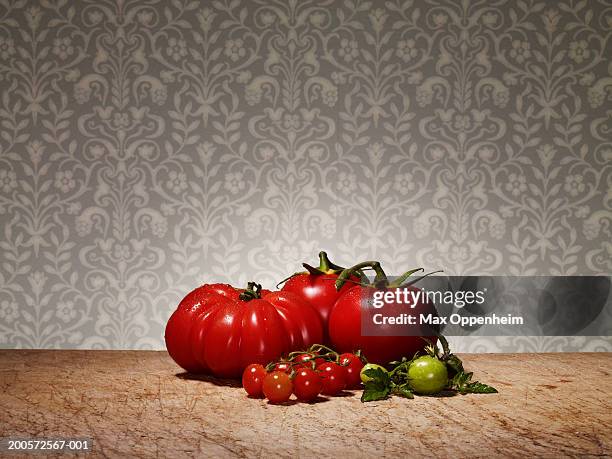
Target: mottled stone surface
x=138, y=403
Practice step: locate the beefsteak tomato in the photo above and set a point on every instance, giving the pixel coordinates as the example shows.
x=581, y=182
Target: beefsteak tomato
x=221, y=330
x=345, y=328
x=178, y=328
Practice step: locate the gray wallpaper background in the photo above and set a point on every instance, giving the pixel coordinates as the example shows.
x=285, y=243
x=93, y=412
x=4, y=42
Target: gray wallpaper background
x=149, y=146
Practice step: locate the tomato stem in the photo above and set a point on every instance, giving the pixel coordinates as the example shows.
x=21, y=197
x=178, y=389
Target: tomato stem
x=321, y=347
x=287, y=278
x=380, y=281
x=413, y=281
x=398, y=282
x=325, y=267
x=252, y=292
x=361, y=357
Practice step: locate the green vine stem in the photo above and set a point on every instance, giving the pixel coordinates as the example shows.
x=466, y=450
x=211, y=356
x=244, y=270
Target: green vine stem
x=381, y=280
x=414, y=281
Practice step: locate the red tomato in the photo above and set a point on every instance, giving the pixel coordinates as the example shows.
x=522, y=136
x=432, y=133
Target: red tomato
x=179, y=325
x=224, y=290
x=317, y=286
x=252, y=379
x=352, y=365
x=305, y=360
x=333, y=378
x=277, y=387
x=221, y=335
x=307, y=385
x=345, y=329
x=282, y=366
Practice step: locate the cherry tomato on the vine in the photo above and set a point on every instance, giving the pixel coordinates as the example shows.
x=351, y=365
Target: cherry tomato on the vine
x=352, y=366
x=252, y=379
x=307, y=359
x=333, y=378
x=307, y=385
x=304, y=360
x=277, y=387
x=282, y=366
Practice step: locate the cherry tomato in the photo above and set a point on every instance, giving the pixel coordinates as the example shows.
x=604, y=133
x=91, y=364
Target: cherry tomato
x=307, y=385
x=427, y=375
x=282, y=366
x=333, y=378
x=252, y=379
x=277, y=387
x=305, y=360
x=352, y=366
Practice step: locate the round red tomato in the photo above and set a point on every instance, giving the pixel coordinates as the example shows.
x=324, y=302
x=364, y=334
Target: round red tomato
x=345, y=328
x=277, y=387
x=306, y=385
x=252, y=379
x=282, y=366
x=333, y=378
x=352, y=365
x=317, y=286
x=225, y=334
x=305, y=360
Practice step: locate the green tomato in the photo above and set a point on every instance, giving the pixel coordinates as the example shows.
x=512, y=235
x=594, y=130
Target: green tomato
x=427, y=375
x=365, y=378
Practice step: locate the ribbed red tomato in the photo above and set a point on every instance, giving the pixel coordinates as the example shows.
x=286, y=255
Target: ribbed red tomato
x=317, y=286
x=178, y=328
x=221, y=332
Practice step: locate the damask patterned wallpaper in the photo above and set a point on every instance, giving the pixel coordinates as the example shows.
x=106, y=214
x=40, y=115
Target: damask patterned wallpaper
x=148, y=146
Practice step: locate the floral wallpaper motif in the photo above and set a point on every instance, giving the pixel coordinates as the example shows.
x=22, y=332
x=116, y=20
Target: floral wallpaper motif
x=146, y=147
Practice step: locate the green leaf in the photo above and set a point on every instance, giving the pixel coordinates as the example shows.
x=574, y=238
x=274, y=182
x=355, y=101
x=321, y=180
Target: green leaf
x=479, y=388
x=454, y=364
x=377, y=375
x=462, y=383
x=460, y=380
x=374, y=391
x=403, y=391
x=378, y=388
